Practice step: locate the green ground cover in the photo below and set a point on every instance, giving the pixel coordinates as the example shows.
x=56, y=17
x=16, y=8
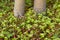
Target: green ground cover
x=44, y=26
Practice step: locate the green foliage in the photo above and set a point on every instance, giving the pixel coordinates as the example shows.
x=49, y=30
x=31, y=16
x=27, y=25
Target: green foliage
x=44, y=26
